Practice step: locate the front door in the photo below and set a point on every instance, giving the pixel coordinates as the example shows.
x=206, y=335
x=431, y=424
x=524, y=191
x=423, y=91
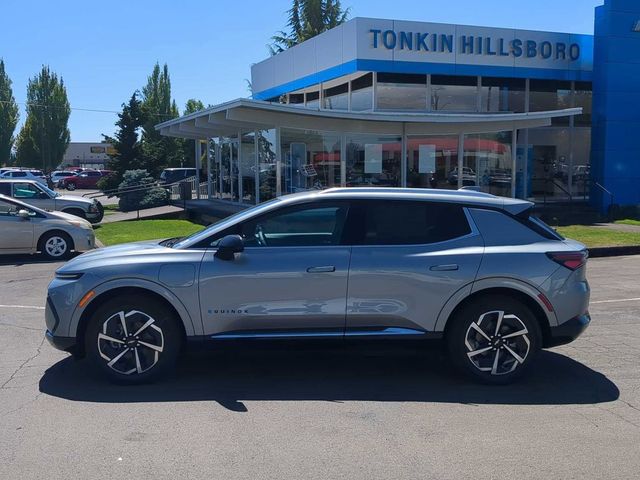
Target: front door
x=33, y=195
x=17, y=232
x=291, y=280
x=408, y=259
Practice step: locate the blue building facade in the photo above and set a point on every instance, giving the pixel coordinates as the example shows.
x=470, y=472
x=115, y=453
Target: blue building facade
x=616, y=104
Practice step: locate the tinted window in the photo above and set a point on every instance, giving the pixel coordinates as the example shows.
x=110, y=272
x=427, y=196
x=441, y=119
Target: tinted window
x=18, y=174
x=5, y=189
x=406, y=223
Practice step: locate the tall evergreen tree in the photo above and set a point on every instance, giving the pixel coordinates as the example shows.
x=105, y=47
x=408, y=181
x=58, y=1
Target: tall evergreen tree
x=125, y=141
x=157, y=106
x=308, y=18
x=9, y=116
x=45, y=135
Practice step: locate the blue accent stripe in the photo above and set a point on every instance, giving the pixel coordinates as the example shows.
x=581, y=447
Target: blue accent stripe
x=392, y=66
x=391, y=331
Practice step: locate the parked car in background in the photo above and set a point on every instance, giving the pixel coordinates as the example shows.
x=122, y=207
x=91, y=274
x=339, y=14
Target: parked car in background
x=468, y=177
x=471, y=269
x=35, y=175
x=41, y=196
x=173, y=175
x=27, y=229
x=84, y=179
x=58, y=175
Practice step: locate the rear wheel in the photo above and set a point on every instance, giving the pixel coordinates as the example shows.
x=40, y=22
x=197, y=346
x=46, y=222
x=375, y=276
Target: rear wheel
x=132, y=340
x=71, y=186
x=494, y=339
x=55, y=245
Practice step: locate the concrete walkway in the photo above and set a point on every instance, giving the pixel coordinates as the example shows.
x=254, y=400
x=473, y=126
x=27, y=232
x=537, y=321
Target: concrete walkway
x=146, y=214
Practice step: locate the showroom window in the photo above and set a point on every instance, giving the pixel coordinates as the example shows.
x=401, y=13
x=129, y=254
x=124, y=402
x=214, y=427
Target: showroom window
x=583, y=97
x=405, y=223
x=431, y=160
x=454, y=93
x=362, y=93
x=313, y=100
x=373, y=160
x=395, y=91
x=488, y=162
x=337, y=98
x=311, y=160
x=502, y=95
x=548, y=95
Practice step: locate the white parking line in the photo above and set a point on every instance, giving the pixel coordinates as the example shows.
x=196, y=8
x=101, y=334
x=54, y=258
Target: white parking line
x=615, y=301
x=22, y=306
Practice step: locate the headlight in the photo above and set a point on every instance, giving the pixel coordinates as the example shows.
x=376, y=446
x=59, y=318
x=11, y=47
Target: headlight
x=80, y=224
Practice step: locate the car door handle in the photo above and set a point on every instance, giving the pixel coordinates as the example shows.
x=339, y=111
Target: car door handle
x=325, y=269
x=444, y=268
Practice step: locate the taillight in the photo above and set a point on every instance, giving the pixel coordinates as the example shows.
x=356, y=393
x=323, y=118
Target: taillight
x=570, y=260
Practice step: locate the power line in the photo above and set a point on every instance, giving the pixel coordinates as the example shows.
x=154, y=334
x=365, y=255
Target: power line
x=42, y=105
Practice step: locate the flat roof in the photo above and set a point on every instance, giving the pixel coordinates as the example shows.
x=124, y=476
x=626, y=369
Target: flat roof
x=229, y=118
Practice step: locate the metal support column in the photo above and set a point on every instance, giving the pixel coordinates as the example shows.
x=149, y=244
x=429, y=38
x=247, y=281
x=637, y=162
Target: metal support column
x=198, y=166
x=460, y=159
x=240, y=186
x=209, y=184
x=256, y=152
x=278, y=164
x=514, y=158
x=403, y=157
x=343, y=160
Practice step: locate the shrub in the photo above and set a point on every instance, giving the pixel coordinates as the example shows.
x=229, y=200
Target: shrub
x=140, y=198
x=109, y=183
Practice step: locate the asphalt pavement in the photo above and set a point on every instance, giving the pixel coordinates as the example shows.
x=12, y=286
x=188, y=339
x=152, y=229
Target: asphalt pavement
x=292, y=413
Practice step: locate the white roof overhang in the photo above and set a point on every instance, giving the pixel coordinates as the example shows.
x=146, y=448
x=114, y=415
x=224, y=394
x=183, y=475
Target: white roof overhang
x=248, y=115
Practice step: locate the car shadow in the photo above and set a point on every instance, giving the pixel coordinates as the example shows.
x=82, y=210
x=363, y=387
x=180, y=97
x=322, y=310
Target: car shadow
x=19, y=260
x=337, y=375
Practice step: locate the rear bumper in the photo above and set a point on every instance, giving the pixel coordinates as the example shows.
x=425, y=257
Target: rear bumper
x=568, y=331
x=66, y=344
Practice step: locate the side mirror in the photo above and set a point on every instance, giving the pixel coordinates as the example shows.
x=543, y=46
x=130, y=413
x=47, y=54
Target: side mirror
x=24, y=214
x=229, y=246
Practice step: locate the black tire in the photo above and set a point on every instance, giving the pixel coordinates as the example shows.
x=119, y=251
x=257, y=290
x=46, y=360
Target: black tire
x=163, y=333
x=76, y=211
x=55, y=245
x=499, y=357
x=71, y=187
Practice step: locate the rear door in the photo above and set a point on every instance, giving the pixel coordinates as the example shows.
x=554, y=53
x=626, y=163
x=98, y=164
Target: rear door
x=408, y=259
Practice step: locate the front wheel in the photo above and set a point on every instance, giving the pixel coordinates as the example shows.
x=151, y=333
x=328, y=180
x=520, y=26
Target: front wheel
x=55, y=246
x=494, y=339
x=71, y=186
x=132, y=340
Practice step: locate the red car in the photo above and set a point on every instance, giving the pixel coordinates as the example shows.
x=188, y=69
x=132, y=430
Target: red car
x=84, y=179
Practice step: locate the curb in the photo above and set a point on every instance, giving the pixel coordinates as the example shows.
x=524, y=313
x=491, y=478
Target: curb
x=601, y=252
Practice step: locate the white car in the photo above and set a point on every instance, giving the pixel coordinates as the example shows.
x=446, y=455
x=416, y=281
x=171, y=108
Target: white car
x=36, y=175
x=27, y=229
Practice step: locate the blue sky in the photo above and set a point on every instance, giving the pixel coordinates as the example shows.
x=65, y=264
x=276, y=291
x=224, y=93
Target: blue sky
x=105, y=50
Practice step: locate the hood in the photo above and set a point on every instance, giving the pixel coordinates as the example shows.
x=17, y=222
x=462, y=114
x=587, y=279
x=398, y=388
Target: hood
x=118, y=254
x=73, y=198
x=67, y=217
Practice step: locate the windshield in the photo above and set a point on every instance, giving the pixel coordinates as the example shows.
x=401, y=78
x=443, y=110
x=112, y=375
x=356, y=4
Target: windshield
x=51, y=193
x=223, y=223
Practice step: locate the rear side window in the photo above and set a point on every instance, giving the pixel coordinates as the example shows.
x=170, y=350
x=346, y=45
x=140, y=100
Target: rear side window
x=405, y=223
x=5, y=189
x=18, y=174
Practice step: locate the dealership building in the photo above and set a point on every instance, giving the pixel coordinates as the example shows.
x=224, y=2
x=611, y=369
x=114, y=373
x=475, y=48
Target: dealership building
x=547, y=116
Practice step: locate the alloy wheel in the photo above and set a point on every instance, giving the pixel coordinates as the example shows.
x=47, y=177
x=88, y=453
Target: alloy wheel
x=497, y=343
x=130, y=342
x=56, y=246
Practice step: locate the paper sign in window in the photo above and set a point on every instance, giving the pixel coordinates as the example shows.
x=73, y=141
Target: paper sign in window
x=373, y=158
x=427, y=159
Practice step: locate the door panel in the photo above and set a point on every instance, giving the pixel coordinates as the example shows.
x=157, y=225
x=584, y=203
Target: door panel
x=17, y=233
x=407, y=286
x=275, y=288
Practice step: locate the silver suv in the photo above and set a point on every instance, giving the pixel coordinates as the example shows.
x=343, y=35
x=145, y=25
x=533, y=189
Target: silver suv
x=472, y=269
x=43, y=197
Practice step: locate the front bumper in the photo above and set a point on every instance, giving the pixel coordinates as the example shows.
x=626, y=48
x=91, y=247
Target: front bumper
x=66, y=344
x=568, y=331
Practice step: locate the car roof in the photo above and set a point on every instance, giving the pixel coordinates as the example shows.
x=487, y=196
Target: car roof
x=11, y=180
x=463, y=197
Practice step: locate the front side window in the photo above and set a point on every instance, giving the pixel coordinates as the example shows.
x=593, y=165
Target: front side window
x=25, y=190
x=298, y=226
x=406, y=223
x=8, y=209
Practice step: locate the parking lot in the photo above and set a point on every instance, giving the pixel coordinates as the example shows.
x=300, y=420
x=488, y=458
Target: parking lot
x=340, y=413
